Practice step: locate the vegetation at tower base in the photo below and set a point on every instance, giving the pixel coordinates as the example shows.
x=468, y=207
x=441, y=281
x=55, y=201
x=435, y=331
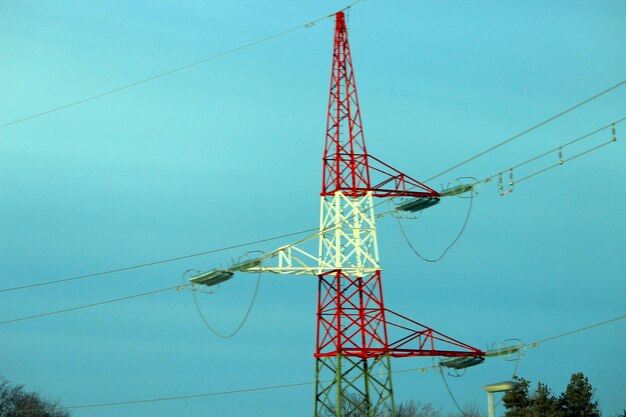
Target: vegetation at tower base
x=418, y=409
x=15, y=401
x=355, y=406
x=576, y=401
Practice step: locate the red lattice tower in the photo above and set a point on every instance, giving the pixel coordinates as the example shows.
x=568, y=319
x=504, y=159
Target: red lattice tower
x=356, y=334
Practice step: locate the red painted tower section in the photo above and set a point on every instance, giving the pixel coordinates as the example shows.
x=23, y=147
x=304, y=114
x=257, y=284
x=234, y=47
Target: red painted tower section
x=347, y=165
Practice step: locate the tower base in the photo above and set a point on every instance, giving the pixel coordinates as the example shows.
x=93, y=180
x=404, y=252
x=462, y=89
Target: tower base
x=353, y=386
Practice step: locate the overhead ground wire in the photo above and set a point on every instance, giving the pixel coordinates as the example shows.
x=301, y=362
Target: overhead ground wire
x=173, y=70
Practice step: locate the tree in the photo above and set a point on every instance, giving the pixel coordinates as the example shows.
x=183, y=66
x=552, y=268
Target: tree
x=517, y=401
x=471, y=410
x=417, y=409
x=15, y=401
x=354, y=405
x=543, y=403
x=577, y=400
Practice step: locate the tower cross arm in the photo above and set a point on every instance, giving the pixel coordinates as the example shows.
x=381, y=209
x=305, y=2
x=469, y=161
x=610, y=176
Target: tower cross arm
x=297, y=259
x=292, y=259
x=289, y=260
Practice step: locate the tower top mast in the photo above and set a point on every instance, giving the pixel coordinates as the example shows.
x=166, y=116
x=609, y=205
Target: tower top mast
x=345, y=157
x=347, y=166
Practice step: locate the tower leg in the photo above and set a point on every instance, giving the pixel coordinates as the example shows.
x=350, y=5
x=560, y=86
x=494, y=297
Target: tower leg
x=354, y=387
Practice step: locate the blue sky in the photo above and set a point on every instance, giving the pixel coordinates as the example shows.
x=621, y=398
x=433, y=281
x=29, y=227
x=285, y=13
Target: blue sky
x=230, y=151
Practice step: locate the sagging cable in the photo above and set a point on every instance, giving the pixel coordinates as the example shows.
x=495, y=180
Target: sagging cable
x=454, y=241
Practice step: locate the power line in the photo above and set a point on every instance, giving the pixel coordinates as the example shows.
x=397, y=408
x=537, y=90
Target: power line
x=219, y=393
x=186, y=397
x=172, y=71
x=488, y=179
x=299, y=384
x=514, y=137
x=116, y=270
x=162, y=261
x=558, y=149
x=50, y=313
x=541, y=171
x=167, y=260
x=582, y=329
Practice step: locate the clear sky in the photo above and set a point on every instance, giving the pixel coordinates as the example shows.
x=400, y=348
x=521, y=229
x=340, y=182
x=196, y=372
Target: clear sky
x=230, y=151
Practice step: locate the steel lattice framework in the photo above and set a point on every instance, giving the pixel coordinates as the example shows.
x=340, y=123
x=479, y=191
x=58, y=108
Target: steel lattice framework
x=353, y=348
x=356, y=334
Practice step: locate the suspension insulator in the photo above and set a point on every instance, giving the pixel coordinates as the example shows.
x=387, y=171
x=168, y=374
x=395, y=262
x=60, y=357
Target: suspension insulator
x=456, y=190
x=418, y=204
x=462, y=362
x=213, y=277
x=245, y=265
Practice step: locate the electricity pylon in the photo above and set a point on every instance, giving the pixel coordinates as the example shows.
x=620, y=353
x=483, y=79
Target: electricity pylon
x=356, y=335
